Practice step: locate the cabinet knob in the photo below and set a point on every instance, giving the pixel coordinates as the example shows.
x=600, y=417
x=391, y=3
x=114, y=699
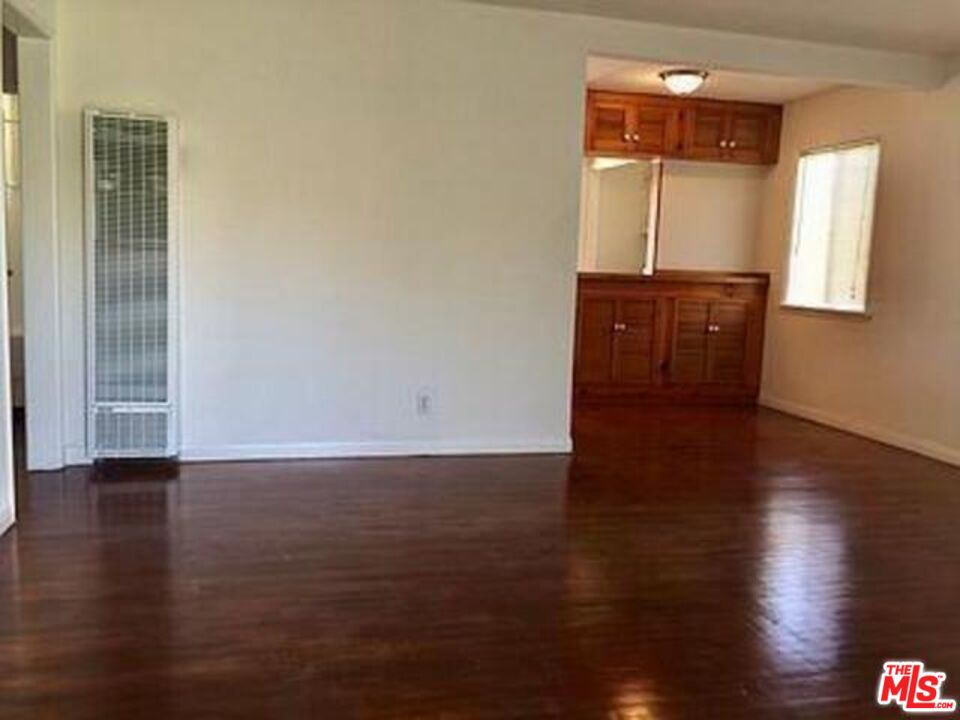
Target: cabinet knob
x=636, y=137
x=619, y=327
x=626, y=137
x=733, y=143
x=723, y=143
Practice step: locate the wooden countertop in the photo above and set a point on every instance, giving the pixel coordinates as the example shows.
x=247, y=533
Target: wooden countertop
x=682, y=276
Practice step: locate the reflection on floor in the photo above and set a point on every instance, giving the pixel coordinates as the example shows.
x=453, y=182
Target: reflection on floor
x=698, y=563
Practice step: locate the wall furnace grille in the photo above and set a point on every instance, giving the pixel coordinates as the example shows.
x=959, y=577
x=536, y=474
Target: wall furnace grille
x=131, y=355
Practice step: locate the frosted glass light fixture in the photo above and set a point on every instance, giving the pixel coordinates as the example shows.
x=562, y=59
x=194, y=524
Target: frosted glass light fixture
x=684, y=82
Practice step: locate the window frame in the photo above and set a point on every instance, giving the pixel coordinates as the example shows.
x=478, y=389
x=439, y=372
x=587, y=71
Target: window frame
x=867, y=312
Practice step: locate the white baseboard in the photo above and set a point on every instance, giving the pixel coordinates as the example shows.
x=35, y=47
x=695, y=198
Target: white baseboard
x=883, y=435
x=6, y=520
x=323, y=451
x=75, y=455
x=51, y=463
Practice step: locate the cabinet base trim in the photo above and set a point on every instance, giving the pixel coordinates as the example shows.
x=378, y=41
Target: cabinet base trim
x=659, y=395
x=902, y=441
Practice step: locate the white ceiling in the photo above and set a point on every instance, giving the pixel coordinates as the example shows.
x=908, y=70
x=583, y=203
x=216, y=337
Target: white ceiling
x=628, y=76
x=929, y=27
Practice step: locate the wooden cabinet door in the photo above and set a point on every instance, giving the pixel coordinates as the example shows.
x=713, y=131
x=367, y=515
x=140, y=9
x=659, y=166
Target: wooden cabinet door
x=595, y=321
x=705, y=131
x=635, y=342
x=688, y=362
x=611, y=124
x=632, y=124
x=753, y=136
x=671, y=337
x=657, y=127
x=727, y=347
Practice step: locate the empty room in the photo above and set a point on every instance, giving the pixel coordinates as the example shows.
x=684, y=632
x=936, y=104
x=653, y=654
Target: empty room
x=480, y=359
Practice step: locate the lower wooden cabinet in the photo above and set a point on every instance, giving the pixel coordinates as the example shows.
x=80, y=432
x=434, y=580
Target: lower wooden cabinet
x=676, y=336
x=618, y=341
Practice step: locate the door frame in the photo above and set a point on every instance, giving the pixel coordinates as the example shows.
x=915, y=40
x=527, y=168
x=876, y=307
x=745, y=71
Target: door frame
x=41, y=256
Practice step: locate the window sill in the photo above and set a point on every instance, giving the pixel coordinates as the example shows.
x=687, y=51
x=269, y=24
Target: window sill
x=866, y=314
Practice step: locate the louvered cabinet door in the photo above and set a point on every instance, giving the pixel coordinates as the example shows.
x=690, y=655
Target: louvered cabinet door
x=611, y=124
x=754, y=135
x=706, y=129
x=727, y=347
x=657, y=127
x=594, y=361
x=688, y=364
x=634, y=342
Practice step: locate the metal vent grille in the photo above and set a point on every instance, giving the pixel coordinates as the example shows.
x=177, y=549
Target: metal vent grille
x=131, y=433
x=128, y=207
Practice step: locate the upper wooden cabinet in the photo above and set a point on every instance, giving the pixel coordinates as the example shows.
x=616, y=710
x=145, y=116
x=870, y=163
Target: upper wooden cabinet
x=632, y=124
x=653, y=125
x=611, y=123
x=658, y=126
x=753, y=134
x=706, y=127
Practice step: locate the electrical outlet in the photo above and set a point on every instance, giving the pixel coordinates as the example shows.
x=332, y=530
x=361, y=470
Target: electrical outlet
x=425, y=402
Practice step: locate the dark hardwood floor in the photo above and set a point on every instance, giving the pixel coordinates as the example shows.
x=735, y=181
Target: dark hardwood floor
x=684, y=563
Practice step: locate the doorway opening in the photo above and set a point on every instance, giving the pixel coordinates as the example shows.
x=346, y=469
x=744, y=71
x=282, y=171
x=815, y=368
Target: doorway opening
x=14, y=240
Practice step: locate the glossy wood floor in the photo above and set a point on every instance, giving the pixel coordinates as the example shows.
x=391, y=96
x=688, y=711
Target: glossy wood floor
x=704, y=564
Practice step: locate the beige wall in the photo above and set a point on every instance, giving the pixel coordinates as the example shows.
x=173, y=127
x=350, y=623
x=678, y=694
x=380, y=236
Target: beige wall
x=710, y=216
x=894, y=376
x=31, y=17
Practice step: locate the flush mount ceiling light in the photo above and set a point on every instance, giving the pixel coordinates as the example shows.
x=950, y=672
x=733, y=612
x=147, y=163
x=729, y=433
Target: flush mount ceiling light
x=684, y=82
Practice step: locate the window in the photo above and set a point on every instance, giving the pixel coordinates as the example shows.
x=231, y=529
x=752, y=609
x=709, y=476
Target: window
x=832, y=228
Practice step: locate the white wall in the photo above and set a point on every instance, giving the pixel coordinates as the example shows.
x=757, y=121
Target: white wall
x=350, y=234
x=894, y=376
x=710, y=216
x=41, y=256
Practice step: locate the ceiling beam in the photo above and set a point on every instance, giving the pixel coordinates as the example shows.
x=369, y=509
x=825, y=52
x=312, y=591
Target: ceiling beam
x=670, y=44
